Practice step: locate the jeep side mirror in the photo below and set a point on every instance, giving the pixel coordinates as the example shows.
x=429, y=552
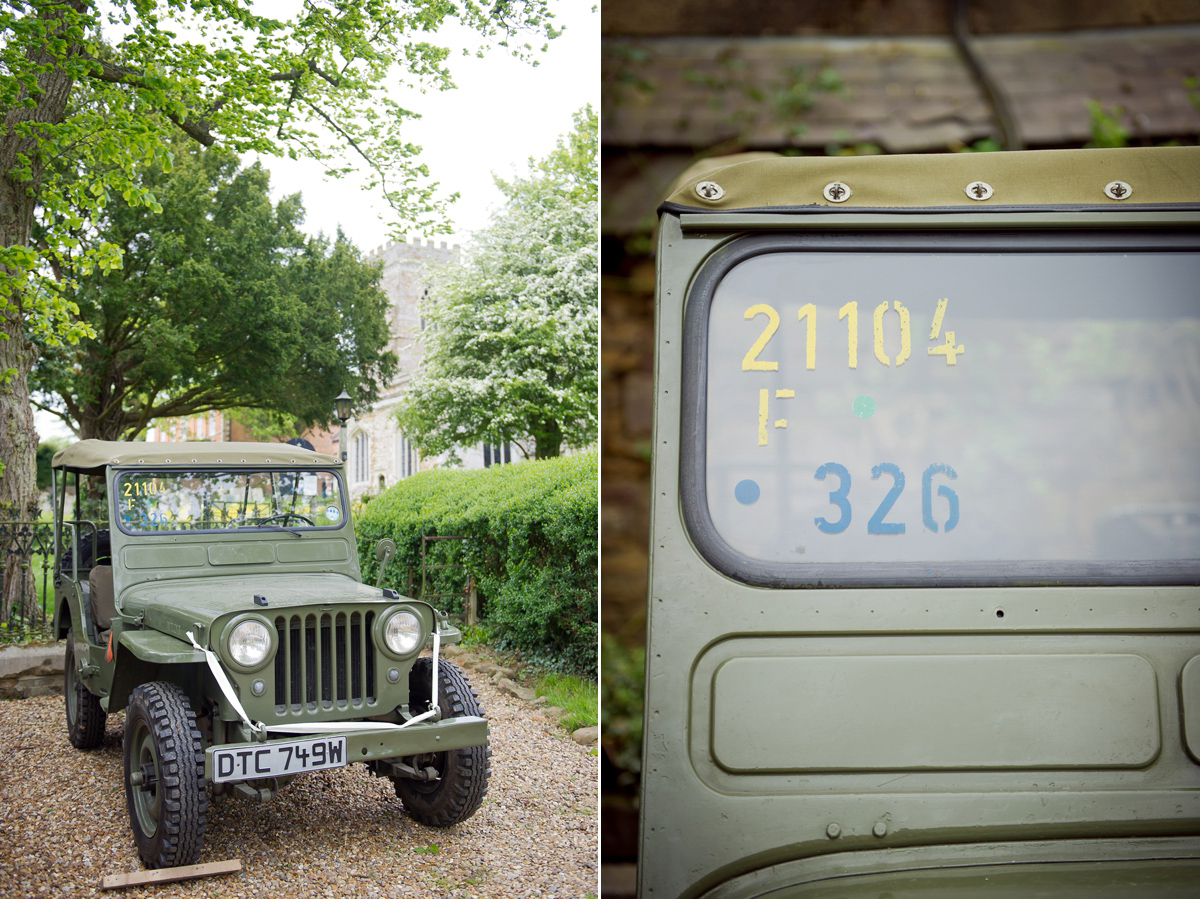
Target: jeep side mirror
x=384, y=550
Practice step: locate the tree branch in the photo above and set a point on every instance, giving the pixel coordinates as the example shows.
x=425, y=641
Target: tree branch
x=200, y=130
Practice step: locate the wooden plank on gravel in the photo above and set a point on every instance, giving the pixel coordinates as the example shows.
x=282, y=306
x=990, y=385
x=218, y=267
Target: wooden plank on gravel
x=169, y=875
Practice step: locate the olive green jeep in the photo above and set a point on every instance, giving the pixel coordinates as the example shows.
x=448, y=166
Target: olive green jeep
x=213, y=592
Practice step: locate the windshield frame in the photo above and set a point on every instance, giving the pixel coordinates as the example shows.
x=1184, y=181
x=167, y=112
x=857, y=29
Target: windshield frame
x=958, y=573
x=119, y=477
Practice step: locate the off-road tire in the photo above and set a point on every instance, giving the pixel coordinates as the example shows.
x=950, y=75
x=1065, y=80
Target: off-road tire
x=85, y=716
x=168, y=819
x=464, y=772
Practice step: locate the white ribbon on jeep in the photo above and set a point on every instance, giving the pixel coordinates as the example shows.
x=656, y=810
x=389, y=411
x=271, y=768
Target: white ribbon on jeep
x=316, y=727
x=214, y=665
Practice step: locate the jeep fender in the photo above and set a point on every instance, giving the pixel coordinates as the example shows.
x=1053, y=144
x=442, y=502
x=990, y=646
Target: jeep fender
x=143, y=656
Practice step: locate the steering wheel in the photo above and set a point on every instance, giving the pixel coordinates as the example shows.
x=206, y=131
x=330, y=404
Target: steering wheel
x=285, y=516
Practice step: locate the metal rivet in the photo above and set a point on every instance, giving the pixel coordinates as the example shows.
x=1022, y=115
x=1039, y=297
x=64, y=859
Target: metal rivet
x=979, y=190
x=833, y=831
x=879, y=829
x=837, y=192
x=710, y=190
x=1117, y=190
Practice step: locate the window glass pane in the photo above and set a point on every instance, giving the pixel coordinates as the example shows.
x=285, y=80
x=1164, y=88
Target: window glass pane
x=982, y=407
x=158, y=501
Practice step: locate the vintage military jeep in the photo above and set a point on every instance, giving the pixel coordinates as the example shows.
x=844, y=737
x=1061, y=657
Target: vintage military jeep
x=212, y=590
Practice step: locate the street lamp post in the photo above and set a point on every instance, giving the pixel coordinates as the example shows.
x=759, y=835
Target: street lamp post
x=341, y=405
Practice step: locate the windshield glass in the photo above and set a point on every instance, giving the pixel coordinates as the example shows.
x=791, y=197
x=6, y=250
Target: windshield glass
x=971, y=407
x=166, y=501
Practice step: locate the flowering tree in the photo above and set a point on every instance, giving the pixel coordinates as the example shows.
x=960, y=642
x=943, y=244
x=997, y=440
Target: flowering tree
x=511, y=335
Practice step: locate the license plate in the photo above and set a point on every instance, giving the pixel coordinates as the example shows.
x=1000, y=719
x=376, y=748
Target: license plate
x=278, y=758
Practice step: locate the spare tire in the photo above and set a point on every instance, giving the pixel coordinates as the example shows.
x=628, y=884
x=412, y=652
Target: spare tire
x=91, y=551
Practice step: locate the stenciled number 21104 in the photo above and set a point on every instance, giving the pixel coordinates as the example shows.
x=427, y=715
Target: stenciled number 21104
x=877, y=523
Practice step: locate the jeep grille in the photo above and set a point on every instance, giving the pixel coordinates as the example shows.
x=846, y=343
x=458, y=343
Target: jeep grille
x=324, y=662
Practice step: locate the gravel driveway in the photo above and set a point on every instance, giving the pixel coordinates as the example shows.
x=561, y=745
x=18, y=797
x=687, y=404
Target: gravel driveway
x=342, y=833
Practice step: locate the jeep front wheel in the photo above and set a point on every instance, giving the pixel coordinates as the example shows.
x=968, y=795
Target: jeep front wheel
x=462, y=773
x=85, y=716
x=164, y=775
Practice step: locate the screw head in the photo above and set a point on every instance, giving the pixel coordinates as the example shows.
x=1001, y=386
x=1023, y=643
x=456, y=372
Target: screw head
x=979, y=190
x=880, y=829
x=837, y=192
x=833, y=831
x=710, y=190
x=1118, y=190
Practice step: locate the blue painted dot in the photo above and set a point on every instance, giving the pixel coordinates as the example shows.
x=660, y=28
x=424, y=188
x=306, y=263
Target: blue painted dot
x=864, y=406
x=746, y=492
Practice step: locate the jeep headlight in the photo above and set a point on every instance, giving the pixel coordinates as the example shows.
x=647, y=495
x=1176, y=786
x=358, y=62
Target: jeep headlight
x=249, y=643
x=402, y=632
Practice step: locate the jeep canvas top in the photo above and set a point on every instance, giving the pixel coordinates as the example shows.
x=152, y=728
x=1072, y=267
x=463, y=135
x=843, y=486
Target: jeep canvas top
x=924, y=596
x=213, y=591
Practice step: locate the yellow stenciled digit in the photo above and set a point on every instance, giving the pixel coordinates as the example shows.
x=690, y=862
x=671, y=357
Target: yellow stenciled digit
x=751, y=362
x=950, y=349
x=905, y=333
x=850, y=312
x=809, y=311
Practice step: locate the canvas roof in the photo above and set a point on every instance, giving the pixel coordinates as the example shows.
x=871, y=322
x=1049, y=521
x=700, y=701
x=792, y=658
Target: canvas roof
x=92, y=456
x=1157, y=175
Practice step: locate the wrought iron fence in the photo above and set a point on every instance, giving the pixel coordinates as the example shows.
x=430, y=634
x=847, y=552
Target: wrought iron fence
x=26, y=579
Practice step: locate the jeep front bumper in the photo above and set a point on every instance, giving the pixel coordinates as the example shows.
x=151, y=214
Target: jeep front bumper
x=361, y=746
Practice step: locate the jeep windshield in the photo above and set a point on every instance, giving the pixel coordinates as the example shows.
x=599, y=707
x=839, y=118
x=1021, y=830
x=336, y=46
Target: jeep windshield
x=173, y=500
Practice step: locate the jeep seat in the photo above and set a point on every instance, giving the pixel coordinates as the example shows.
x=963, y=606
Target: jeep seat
x=103, y=603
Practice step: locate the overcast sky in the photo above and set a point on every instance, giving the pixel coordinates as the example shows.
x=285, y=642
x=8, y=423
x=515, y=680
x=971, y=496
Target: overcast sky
x=503, y=112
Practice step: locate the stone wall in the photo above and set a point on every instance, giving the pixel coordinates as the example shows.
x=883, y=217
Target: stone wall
x=27, y=671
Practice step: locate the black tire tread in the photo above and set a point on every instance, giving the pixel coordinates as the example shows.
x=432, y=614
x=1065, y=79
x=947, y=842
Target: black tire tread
x=179, y=838
x=87, y=730
x=465, y=772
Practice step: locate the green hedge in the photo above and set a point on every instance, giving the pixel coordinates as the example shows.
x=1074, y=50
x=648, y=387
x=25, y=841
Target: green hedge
x=532, y=549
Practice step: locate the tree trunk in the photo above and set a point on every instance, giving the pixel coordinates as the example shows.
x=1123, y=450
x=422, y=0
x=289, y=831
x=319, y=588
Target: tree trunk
x=18, y=451
x=18, y=205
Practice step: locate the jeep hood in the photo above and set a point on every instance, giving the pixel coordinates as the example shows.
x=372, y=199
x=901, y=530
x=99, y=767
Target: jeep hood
x=176, y=607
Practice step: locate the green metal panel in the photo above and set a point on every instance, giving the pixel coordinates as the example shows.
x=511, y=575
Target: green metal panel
x=858, y=723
